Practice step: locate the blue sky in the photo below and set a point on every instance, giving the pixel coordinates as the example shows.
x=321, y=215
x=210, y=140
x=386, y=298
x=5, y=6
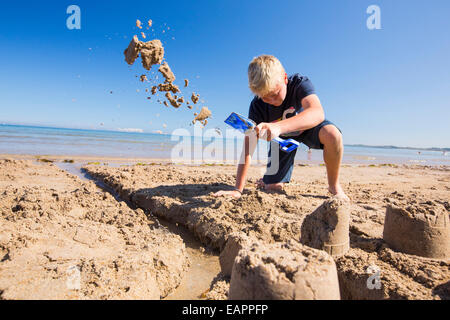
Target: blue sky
x=381, y=87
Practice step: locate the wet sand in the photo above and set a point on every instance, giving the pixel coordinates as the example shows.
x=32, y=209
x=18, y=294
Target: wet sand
x=174, y=202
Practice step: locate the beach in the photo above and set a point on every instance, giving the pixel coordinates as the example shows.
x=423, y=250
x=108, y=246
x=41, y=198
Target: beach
x=124, y=171
x=77, y=227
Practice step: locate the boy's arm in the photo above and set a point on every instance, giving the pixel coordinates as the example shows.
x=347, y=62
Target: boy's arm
x=248, y=148
x=311, y=116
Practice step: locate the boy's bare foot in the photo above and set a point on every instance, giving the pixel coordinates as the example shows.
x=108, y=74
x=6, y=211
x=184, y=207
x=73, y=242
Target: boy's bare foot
x=338, y=192
x=269, y=187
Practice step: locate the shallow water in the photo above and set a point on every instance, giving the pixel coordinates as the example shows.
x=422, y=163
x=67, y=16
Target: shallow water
x=15, y=139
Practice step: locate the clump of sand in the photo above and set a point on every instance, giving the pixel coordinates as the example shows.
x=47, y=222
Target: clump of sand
x=172, y=100
x=168, y=82
x=151, y=53
x=195, y=97
x=166, y=87
x=143, y=77
x=167, y=72
x=204, y=114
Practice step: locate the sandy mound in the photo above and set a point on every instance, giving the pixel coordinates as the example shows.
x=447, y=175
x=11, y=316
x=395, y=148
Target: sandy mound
x=283, y=271
x=327, y=228
x=190, y=202
x=62, y=238
x=183, y=195
x=422, y=230
x=235, y=242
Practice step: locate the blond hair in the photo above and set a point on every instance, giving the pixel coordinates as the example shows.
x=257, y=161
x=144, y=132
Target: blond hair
x=264, y=73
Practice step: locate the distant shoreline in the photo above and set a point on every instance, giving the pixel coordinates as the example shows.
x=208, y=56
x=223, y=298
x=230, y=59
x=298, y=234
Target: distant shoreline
x=395, y=147
x=437, y=149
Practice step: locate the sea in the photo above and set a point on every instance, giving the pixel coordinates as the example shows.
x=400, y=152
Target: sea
x=48, y=141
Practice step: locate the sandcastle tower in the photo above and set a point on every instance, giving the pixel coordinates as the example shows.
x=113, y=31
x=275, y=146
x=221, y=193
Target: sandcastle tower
x=283, y=271
x=235, y=242
x=422, y=230
x=327, y=228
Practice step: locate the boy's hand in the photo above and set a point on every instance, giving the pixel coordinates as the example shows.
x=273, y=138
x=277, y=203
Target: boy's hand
x=267, y=131
x=233, y=193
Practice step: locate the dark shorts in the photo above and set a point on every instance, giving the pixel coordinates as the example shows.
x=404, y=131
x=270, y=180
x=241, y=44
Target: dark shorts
x=286, y=159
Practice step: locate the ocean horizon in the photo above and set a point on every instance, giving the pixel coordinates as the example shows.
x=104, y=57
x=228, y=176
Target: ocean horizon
x=42, y=140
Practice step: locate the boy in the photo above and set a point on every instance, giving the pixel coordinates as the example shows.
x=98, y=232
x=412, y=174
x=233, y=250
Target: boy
x=286, y=107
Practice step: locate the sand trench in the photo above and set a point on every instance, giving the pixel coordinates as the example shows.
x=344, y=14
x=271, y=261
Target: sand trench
x=64, y=238
x=204, y=266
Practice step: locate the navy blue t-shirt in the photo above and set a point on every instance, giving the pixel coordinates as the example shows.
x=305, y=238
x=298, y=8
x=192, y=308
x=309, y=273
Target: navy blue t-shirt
x=298, y=87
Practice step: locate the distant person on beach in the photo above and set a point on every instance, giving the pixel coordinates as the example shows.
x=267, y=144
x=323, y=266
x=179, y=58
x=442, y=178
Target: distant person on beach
x=286, y=107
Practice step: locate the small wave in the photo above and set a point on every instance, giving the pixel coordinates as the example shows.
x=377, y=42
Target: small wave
x=138, y=130
x=363, y=158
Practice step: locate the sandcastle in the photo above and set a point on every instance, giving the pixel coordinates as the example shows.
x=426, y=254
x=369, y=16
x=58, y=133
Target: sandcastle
x=282, y=271
x=327, y=228
x=422, y=230
x=235, y=242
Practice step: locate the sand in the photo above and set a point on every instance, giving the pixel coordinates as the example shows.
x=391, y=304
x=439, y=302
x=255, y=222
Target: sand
x=167, y=73
x=327, y=228
x=172, y=100
x=181, y=194
x=204, y=114
x=53, y=224
x=168, y=87
x=152, y=52
x=420, y=229
x=283, y=271
x=195, y=97
x=143, y=78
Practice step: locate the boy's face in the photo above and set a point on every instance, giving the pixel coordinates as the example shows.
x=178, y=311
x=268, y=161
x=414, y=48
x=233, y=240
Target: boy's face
x=277, y=95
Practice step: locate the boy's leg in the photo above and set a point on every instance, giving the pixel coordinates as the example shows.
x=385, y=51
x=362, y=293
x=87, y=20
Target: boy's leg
x=279, y=168
x=333, y=149
x=328, y=137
